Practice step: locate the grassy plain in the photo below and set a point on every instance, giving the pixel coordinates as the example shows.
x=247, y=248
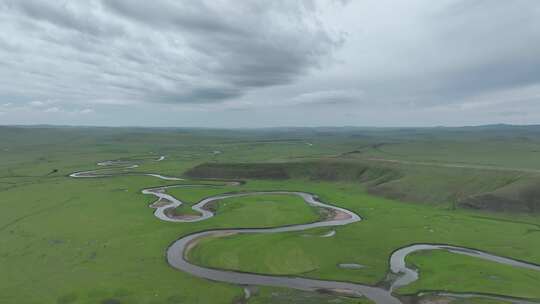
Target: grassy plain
x=387, y=225
x=65, y=240
x=445, y=271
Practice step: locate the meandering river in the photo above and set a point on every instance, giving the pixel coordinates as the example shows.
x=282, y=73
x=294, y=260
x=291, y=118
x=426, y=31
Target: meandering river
x=177, y=252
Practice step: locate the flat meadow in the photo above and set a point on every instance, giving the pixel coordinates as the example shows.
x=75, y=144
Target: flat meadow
x=95, y=240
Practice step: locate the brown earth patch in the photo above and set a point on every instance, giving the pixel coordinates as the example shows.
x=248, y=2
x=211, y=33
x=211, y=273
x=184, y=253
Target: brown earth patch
x=174, y=214
x=160, y=203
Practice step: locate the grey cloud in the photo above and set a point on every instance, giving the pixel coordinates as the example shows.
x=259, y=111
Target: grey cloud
x=398, y=62
x=512, y=113
x=194, y=16
x=165, y=51
x=66, y=15
x=330, y=97
x=196, y=95
x=246, y=43
x=473, y=47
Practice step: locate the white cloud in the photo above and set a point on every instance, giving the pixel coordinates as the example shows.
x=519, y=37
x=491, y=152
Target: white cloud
x=37, y=103
x=87, y=111
x=53, y=110
x=329, y=97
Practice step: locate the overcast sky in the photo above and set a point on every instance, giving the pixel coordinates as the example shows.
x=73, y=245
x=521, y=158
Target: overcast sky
x=270, y=63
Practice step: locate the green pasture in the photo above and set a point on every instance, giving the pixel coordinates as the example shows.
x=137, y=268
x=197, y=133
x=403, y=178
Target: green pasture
x=94, y=240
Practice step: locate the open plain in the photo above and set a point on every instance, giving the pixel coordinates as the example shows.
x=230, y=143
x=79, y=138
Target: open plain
x=76, y=226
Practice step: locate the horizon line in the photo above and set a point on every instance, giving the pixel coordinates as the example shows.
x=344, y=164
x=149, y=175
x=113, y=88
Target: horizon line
x=267, y=127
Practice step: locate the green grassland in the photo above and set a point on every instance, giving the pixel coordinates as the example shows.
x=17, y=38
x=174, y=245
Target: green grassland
x=491, y=190
x=290, y=296
x=445, y=271
x=387, y=225
x=94, y=240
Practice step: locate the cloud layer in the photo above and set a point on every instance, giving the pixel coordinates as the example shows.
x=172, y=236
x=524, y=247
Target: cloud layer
x=169, y=52
x=259, y=63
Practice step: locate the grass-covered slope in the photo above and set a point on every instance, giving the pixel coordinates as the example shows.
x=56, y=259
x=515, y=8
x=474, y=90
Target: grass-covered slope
x=491, y=190
x=319, y=170
x=522, y=195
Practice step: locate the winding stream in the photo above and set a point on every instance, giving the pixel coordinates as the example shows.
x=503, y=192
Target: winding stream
x=177, y=252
